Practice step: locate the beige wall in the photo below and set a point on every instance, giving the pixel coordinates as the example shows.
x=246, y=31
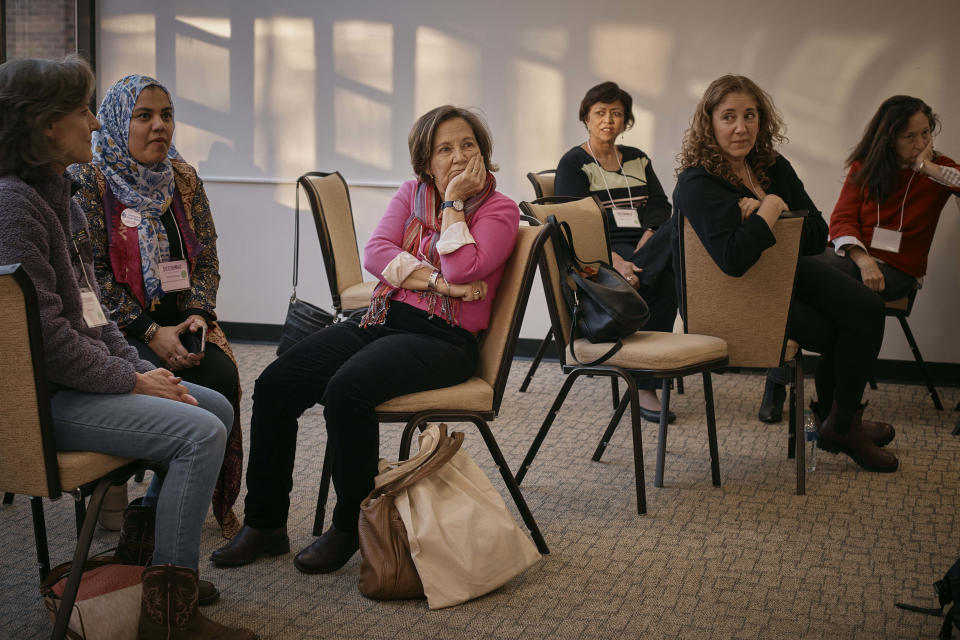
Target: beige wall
x=265, y=92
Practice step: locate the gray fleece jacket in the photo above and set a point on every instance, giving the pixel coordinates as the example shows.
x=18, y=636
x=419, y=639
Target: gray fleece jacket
x=42, y=229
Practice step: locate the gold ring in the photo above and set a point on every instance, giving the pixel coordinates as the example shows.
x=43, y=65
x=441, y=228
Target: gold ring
x=476, y=292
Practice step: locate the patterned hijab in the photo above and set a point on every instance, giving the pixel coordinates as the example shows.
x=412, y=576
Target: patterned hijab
x=146, y=189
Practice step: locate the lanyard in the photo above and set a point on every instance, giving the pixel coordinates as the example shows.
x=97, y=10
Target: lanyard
x=902, y=204
x=603, y=171
x=82, y=268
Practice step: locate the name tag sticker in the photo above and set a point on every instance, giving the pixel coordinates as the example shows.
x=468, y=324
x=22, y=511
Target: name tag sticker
x=130, y=218
x=886, y=240
x=626, y=217
x=92, y=311
x=174, y=276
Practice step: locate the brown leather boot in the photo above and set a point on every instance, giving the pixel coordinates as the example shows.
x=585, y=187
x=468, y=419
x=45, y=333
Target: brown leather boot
x=168, y=608
x=882, y=433
x=137, y=541
x=855, y=444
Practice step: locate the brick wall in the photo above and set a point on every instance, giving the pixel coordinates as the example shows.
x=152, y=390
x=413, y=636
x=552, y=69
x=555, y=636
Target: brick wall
x=40, y=28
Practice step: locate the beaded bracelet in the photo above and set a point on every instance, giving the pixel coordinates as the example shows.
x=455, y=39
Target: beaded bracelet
x=150, y=332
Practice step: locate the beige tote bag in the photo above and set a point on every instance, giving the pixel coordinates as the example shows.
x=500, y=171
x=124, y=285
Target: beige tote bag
x=463, y=540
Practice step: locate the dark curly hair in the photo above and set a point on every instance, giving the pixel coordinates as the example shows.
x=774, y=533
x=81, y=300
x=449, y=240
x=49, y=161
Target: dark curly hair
x=700, y=147
x=35, y=93
x=424, y=130
x=877, y=149
x=608, y=93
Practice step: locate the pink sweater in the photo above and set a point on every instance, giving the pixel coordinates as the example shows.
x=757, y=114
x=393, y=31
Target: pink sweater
x=493, y=227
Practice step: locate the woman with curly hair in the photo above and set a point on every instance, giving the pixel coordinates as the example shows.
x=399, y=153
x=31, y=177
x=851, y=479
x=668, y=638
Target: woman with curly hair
x=733, y=186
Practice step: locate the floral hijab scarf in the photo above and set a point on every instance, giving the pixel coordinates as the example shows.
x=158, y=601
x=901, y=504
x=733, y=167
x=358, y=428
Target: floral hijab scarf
x=146, y=189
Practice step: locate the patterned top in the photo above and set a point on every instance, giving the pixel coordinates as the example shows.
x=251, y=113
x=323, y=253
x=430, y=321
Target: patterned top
x=204, y=268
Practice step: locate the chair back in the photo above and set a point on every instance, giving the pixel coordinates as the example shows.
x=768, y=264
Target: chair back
x=588, y=226
x=28, y=461
x=749, y=312
x=333, y=217
x=542, y=182
x=499, y=341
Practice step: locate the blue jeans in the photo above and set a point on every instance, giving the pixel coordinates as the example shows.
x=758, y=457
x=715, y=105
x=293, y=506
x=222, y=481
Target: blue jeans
x=188, y=441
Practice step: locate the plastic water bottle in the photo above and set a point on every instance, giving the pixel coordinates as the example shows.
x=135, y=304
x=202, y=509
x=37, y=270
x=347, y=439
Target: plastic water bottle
x=810, y=435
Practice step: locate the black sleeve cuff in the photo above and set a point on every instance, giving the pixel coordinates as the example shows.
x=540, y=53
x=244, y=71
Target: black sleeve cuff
x=139, y=326
x=206, y=315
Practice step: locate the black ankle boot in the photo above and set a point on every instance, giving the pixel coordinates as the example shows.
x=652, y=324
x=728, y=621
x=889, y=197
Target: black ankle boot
x=771, y=407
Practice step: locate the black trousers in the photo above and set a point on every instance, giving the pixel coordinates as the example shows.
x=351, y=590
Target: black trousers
x=349, y=370
x=835, y=315
x=897, y=284
x=216, y=371
x=657, y=284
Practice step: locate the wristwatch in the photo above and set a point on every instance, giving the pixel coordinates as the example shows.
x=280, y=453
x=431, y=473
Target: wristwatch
x=456, y=204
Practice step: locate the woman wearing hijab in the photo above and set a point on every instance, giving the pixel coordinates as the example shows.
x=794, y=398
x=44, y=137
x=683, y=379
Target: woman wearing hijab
x=155, y=256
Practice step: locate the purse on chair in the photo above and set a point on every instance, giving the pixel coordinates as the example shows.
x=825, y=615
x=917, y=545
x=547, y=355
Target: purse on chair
x=302, y=318
x=603, y=306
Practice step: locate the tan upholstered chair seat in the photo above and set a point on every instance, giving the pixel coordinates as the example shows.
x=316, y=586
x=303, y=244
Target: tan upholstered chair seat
x=357, y=296
x=793, y=348
x=473, y=395
x=655, y=350
x=77, y=468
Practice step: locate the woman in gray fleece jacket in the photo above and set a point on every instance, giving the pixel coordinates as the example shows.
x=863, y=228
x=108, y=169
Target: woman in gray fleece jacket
x=105, y=398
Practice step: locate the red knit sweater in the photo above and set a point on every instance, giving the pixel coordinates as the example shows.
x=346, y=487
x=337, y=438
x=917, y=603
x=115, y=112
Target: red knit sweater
x=856, y=216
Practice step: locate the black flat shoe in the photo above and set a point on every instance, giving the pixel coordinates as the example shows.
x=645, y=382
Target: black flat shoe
x=771, y=407
x=654, y=416
x=328, y=553
x=249, y=544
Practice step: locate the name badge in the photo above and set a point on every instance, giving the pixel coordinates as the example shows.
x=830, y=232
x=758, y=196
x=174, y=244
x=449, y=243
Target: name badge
x=130, y=218
x=886, y=240
x=626, y=217
x=174, y=276
x=92, y=311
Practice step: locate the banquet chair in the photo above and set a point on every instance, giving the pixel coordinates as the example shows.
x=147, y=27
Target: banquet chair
x=645, y=354
x=542, y=182
x=900, y=309
x=749, y=313
x=329, y=199
x=29, y=462
x=478, y=399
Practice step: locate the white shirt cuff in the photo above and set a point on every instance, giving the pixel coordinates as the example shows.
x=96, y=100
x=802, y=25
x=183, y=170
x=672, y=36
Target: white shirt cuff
x=843, y=241
x=400, y=268
x=456, y=235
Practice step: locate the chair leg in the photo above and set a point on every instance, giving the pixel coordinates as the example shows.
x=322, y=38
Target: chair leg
x=711, y=428
x=8, y=498
x=662, y=437
x=873, y=383
x=798, y=427
x=791, y=422
x=614, y=423
x=80, y=512
x=639, y=476
x=40, y=537
x=923, y=365
x=536, y=360
x=84, y=539
x=139, y=476
x=615, y=391
x=325, y=474
x=680, y=385
x=545, y=427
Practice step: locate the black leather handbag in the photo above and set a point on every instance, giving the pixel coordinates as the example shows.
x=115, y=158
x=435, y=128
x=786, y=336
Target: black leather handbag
x=302, y=318
x=603, y=306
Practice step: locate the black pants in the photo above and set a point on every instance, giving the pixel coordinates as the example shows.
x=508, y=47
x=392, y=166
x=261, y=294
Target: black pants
x=836, y=316
x=349, y=370
x=216, y=371
x=657, y=284
x=897, y=284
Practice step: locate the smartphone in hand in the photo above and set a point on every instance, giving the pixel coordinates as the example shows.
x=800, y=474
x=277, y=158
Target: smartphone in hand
x=203, y=338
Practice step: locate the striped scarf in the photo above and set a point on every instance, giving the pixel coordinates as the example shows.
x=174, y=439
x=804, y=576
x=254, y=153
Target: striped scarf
x=420, y=236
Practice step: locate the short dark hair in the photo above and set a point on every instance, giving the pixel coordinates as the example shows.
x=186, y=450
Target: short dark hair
x=877, y=149
x=424, y=129
x=34, y=93
x=607, y=92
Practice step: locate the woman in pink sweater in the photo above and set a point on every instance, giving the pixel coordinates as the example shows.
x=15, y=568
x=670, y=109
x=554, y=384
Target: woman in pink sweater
x=439, y=253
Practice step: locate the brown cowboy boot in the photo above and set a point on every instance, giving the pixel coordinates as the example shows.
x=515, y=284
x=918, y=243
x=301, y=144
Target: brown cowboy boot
x=168, y=608
x=137, y=540
x=882, y=433
x=855, y=443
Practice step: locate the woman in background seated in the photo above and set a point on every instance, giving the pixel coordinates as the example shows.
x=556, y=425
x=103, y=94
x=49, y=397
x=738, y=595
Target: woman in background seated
x=732, y=186
x=104, y=397
x=636, y=206
x=439, y=251
x=155, y=255
x=895, y=182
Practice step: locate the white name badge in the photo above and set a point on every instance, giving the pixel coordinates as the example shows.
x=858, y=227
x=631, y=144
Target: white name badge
x=130, y=218
x=92, y=311
x=174, y=276
x=886, y=240
x=626, y=217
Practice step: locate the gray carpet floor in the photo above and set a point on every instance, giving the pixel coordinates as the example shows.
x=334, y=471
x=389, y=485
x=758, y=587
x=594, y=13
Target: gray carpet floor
x=748, y=559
